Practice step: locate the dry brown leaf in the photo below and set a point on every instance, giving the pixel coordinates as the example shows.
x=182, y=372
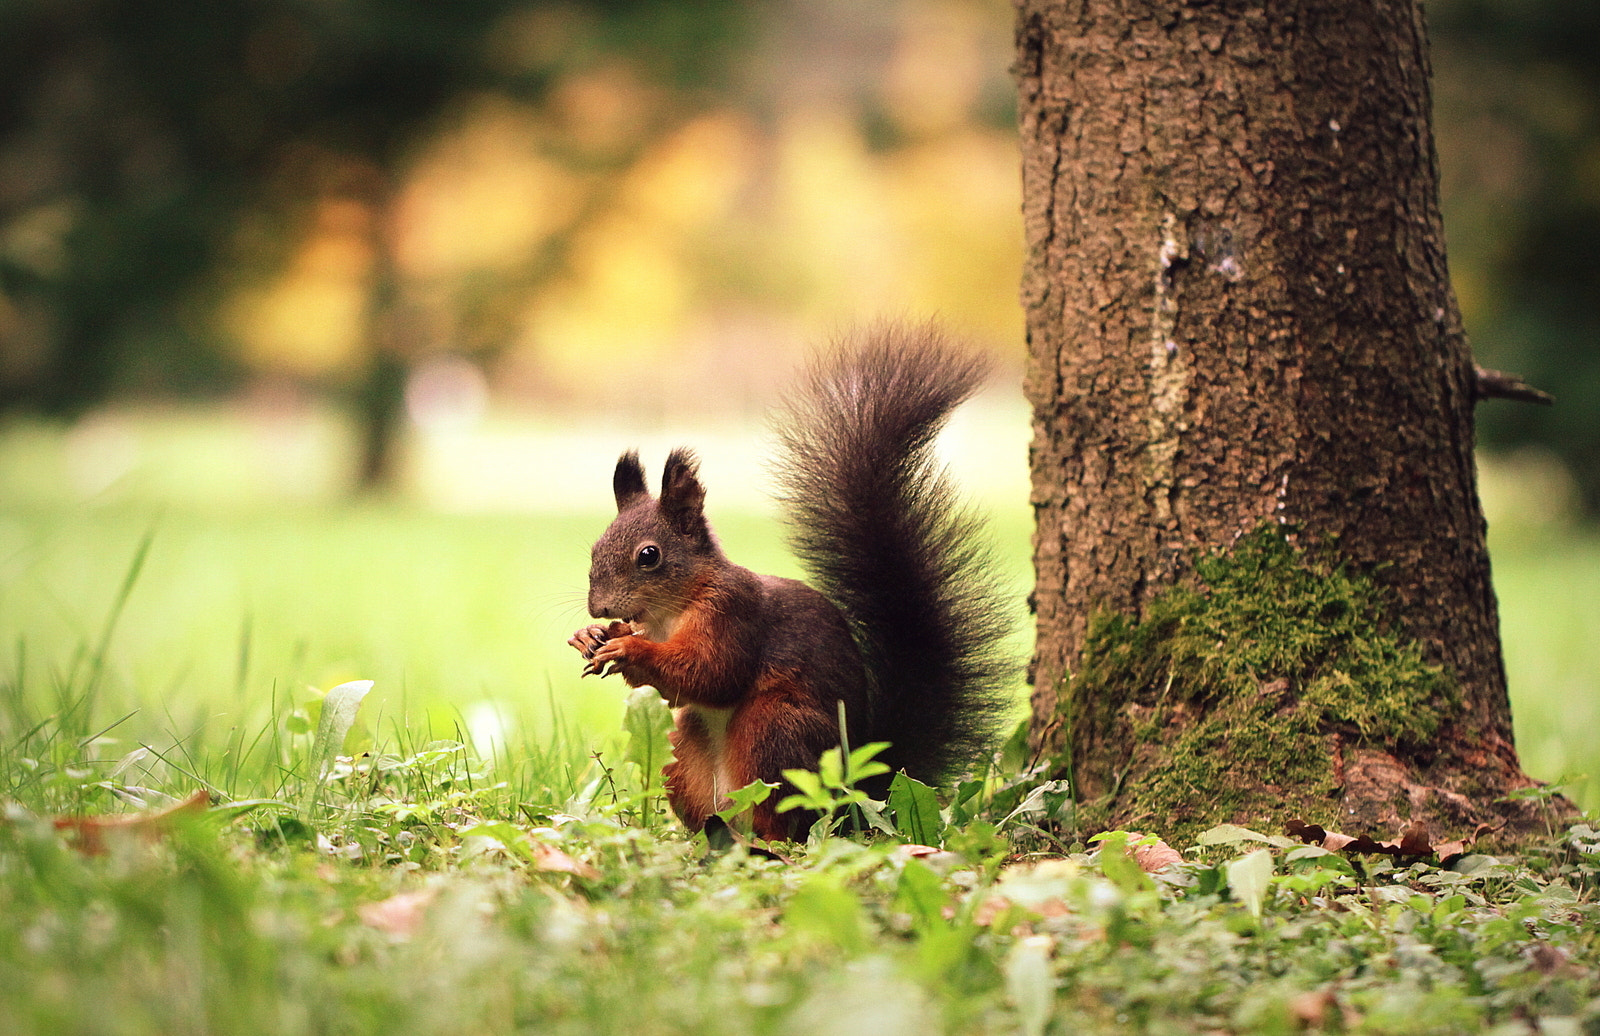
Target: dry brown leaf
x=985, y=912
x=1548, y=959
x=1155, y=858
x=89, y=835
x=549, y=858
x=988, y=909
x=1053, y=908
x=1310, y=1008
x=941, y=860
x=1413, y=841
x=401, y=914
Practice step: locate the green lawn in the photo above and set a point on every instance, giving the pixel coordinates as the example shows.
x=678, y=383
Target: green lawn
x=478, y=854
x=250, y=595
x=1549, y=594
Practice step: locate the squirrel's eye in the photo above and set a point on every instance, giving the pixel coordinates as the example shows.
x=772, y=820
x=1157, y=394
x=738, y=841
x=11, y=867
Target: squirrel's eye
x=649, y=556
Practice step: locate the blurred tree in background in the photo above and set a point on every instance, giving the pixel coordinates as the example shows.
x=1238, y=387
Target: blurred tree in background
x=339, y=196
x=148, y=151
x=1517, y=96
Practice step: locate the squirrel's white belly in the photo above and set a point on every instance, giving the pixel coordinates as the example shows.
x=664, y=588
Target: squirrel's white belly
x=715, y=724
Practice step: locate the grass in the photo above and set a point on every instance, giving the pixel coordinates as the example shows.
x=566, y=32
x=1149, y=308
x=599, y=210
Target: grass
x=477, y=853
x=231, y=612
x=424, y=890
x=1550, y=628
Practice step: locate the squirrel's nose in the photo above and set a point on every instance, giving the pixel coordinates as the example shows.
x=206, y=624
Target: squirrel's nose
x=600, y=608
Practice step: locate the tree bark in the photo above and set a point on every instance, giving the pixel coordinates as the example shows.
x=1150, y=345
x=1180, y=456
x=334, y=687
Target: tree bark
x=1238, y=311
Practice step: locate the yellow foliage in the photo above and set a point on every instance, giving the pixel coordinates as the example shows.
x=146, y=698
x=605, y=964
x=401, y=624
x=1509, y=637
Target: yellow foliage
x=483, y=197
x=311, y=319
x=535, y=231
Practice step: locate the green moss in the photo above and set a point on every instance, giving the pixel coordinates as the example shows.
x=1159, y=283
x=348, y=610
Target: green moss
x=1227, y=700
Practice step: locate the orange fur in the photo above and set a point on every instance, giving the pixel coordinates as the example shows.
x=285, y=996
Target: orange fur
x=778, y=726
x=684, y=667
x=690, y=778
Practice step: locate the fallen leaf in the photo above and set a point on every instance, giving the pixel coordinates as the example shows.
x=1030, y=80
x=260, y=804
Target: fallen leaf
x=1413, y=841
x=1549, y=960
x=1152, y=859
x=401, y=914
x=1310, y=1008
x=988, y=909
x=941, y=860
x=549, y=858
x=89, y=834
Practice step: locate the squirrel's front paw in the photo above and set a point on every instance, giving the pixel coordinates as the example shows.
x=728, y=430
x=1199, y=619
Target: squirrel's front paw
x=591, y=640
x=616, y=652
x=588, y=640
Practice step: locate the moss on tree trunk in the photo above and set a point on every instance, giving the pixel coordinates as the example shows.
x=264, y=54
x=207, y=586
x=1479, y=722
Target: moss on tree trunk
x=1266, y=687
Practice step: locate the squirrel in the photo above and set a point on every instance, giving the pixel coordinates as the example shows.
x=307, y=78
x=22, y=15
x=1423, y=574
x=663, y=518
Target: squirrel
x=904, y=626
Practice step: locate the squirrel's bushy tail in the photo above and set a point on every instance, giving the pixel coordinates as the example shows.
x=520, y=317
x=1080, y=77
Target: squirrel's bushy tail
x=876, y=523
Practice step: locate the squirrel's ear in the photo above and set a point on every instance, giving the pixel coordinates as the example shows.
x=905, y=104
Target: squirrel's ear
x=683, y=498
x=627, y=482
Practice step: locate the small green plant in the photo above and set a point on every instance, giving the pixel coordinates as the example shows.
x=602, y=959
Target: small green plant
x=741, y=801
x=833, y=791
x=647, y=721
x=339, y=709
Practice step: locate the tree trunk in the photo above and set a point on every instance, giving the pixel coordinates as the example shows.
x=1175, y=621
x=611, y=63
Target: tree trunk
x=1238, y=312
x=390, y=346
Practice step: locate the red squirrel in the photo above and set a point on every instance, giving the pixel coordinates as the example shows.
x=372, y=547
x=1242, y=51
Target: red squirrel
x=904, y=625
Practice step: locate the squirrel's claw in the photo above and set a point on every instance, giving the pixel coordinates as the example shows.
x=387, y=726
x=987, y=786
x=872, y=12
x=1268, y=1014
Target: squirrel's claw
x=584, y=645
x=592, y=640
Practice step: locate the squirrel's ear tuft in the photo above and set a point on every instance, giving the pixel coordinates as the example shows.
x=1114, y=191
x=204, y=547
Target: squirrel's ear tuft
x=627, y=482
x=683, y=498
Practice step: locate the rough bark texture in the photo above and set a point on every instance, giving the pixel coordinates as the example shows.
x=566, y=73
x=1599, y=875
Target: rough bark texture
x=1238, y=310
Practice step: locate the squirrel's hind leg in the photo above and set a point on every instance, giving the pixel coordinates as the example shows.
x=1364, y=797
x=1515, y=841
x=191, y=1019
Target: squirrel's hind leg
x=778, y=730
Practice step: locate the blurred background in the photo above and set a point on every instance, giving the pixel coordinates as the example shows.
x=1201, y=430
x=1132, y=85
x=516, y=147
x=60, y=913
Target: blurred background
x=360, y=264
x=372, y=223
x=383, y=222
